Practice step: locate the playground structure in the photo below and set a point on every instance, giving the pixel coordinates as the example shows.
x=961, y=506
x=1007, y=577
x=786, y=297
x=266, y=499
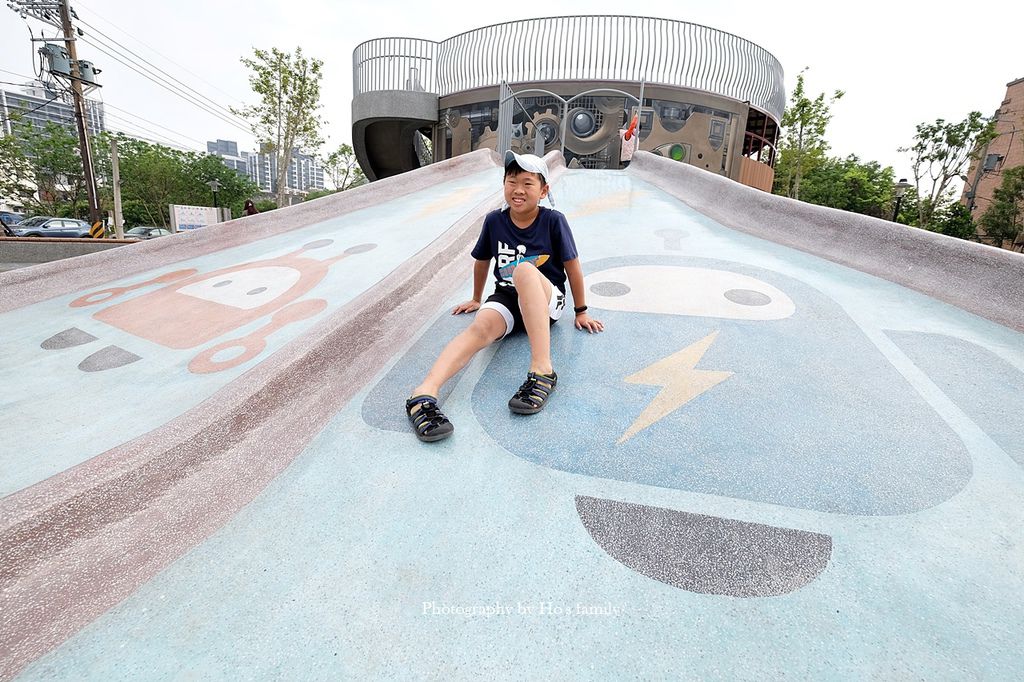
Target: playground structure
x=770, y=464
x=709, y=98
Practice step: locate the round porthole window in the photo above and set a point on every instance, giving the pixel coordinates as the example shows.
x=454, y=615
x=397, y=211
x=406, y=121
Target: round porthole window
x=583, y=123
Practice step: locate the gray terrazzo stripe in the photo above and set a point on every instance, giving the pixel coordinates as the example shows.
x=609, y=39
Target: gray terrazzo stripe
x=184, y=480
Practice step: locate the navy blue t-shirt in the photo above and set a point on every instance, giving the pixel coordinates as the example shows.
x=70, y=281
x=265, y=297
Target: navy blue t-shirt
x=547, y=243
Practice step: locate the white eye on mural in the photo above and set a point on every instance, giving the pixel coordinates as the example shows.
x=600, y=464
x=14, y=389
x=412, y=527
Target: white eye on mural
x=699, y=292
x=247, y=288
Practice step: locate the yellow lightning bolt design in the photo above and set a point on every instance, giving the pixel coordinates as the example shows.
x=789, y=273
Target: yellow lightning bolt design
x=680, y=383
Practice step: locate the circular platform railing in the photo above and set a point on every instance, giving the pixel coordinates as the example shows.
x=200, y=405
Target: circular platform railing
x=592, y=48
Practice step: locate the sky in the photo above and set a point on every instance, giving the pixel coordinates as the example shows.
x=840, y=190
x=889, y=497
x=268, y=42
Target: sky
x=899, y=63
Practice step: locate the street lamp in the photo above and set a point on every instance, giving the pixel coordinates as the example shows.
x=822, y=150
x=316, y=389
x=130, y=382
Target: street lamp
x=214, y=185
x=901, y=188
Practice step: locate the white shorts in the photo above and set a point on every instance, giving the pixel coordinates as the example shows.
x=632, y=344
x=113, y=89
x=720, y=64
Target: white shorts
x=505, y=300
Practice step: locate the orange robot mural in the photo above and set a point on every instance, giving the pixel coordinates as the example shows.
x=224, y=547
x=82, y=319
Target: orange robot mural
x=194, y=308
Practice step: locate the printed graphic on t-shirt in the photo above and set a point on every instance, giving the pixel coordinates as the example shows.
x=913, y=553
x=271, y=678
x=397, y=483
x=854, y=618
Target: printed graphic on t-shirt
x=508, y=258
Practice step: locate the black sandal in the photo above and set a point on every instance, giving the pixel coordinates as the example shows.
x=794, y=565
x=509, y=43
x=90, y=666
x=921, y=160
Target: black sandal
x=532, y=396
x=429, y=422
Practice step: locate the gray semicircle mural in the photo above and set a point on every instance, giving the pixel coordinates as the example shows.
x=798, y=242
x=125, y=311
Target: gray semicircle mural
x=705, y=554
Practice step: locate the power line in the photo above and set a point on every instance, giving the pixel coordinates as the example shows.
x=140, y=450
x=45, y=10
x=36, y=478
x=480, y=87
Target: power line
x=19, y=75
x=158, y=52
x=70, y=118
x=156, y=79
x=197, y=94
x=29, y=111
x=125, y=121
x=136, y=116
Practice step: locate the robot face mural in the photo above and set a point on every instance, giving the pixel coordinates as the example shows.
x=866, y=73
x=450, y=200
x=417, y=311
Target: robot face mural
x=214, y=304
x=698, y=345
x=715, y=378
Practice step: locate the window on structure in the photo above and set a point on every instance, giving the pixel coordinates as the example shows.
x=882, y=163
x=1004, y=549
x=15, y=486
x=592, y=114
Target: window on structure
x=992, y=162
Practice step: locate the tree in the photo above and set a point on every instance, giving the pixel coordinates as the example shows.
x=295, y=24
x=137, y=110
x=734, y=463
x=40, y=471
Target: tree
x=941, y=150
x=850, y=185
x=1004, y=218
x=289, y=90
x=319, y=194
x=154, y=176
x=200, y=169
x=17, y=181
x=908, y=208
x=342, y=169
x=41, y=168
x=955, y=220
x=803, y=143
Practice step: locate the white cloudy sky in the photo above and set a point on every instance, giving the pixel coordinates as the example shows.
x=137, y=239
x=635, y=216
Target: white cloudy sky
x=900, y=63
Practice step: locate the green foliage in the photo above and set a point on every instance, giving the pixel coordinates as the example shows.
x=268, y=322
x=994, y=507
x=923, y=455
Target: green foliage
x=803, y=145
x=154, y=176
x=16, y=179
x=41, y=168
x=135, y=213
x=264, y=205
x=1003, y=220
x=908, y=208
x=342, y=169
x=941, y=151
x=200, y=169
x=955, y=220
x=288, y=87
x=850, y=185
x=317, y=194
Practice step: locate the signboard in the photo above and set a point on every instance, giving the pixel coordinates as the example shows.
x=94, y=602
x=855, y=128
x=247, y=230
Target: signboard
x=192, y=217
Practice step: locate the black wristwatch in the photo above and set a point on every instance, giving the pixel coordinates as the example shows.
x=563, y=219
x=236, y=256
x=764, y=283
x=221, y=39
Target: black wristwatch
x=580, y=309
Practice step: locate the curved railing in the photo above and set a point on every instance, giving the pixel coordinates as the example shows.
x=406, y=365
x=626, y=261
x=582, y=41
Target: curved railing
x=394, y=64
x=618, y=48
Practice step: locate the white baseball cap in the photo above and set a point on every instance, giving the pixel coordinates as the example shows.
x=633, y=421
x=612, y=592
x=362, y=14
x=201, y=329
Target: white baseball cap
x=531, y=163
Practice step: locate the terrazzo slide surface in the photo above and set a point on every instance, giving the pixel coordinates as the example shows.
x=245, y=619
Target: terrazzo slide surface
x=768, y=465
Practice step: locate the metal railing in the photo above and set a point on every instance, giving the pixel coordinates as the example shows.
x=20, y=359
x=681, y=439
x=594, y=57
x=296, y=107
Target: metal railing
x=593, y=48
x=394, y=64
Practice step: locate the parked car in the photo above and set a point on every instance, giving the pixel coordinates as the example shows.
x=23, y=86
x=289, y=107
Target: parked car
x=10, y=218
x=48, y=226
x=146, y=232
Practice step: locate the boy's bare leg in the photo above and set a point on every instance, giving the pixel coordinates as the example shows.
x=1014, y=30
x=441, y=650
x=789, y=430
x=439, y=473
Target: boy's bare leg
x=488, y=326
x=534, y=296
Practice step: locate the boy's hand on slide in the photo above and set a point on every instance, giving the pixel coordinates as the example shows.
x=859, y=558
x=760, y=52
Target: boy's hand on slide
x=467, y=307
x=585, y=321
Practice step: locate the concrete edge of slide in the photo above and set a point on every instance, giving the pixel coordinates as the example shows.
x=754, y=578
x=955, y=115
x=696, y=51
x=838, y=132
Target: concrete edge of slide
x=981, y=279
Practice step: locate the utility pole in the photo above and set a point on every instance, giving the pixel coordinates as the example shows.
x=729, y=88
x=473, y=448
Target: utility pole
x=57, y=13
x=79, y=97
x=116, y=172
